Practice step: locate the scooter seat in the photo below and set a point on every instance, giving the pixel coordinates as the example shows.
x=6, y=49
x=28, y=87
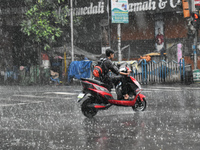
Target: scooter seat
x=94, y=81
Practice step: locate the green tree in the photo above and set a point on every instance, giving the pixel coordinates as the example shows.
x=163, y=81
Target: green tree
x=44, y=20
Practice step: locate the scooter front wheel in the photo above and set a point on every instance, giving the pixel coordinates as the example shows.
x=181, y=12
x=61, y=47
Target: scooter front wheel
x=140, y=105
x=87, y=111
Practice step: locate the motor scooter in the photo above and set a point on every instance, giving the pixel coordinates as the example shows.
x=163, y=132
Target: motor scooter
x=95, y=96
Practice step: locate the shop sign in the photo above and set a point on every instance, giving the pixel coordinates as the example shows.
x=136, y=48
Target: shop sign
x=89, y=10
x=99, y=8
x=119, y=11
x=120, y=8
x=153, y=5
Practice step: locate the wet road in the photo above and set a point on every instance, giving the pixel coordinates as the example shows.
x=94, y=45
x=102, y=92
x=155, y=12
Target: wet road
x=48, y=118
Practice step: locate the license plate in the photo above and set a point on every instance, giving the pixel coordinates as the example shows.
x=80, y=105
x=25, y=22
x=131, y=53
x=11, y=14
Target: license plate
x=80, y=96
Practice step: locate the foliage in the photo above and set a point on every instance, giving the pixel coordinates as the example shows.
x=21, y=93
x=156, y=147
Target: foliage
x=44, y=20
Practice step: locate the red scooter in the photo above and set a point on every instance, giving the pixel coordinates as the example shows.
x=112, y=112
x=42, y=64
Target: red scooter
x=95, y=96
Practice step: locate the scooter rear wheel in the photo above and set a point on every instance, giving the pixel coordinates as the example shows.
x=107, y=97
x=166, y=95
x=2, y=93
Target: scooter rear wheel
x=140, y=105
x=87, y=111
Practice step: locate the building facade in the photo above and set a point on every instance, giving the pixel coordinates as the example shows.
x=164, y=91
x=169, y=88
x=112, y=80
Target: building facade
x=146, y=18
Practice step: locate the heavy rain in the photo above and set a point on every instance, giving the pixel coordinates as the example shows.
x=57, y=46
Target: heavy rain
x=57, y=93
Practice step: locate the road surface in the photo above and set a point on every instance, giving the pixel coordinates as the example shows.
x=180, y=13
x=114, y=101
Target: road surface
x=49, y=118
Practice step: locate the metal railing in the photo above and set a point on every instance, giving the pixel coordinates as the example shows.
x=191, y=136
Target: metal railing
x=157, y=72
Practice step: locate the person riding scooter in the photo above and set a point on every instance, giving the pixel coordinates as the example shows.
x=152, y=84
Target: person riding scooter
x=95, y=95
x=108, y=66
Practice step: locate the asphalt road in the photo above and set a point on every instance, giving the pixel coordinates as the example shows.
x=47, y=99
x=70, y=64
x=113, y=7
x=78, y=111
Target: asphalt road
x=49, y=118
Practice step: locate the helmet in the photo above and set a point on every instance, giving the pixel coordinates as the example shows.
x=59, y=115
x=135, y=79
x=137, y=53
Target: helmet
x=109, y=51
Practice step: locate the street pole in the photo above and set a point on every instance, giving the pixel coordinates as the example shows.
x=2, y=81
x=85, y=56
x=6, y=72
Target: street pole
x=195, y=49
x=119, y=42
x=40, y=69
x=72, y=34
x=108, y=10
x=193, y=9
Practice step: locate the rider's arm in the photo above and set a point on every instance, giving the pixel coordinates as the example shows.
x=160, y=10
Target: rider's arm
x=114, y=69
x=123, y=73
x=111, y=67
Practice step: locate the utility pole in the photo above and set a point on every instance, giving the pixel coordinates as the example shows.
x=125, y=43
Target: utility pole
x=119, y=42
x=195, y=23
x=195, y=49
x=72, y=33
x=195, y=11
x=191, y=9
x=109, y=26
